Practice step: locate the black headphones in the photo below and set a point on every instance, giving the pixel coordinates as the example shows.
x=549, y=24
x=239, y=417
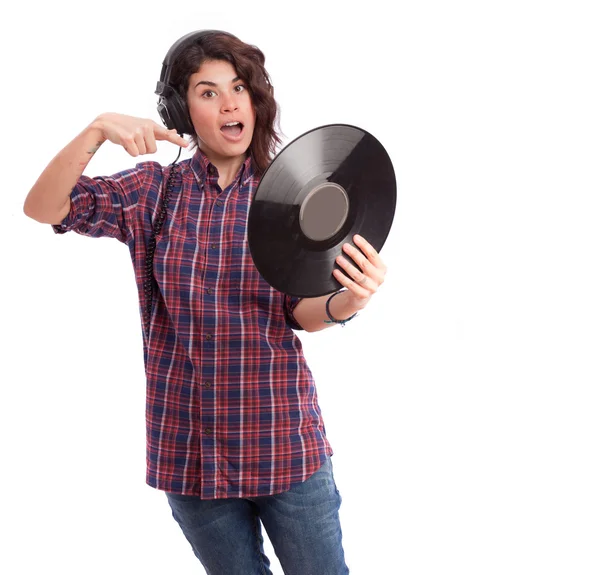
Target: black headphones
x=172, y=108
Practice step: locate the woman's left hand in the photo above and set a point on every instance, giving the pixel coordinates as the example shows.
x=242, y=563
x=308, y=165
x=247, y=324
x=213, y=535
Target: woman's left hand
x=365, y=281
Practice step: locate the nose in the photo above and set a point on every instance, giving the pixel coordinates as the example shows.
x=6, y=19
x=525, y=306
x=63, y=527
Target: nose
x=229, y=105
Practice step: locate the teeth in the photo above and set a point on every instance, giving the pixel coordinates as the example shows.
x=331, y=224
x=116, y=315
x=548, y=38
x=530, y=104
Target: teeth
x=232, y=124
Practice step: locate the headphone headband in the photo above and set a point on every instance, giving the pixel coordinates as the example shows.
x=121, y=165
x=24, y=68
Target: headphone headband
x=176, y=49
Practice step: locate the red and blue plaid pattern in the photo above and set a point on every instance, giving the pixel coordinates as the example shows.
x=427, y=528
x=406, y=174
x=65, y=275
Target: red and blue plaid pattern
x=232, y=408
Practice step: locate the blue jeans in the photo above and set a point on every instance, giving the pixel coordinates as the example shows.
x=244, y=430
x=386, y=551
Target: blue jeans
x=302, y=524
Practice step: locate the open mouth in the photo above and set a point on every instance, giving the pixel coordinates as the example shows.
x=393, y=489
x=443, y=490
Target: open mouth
x=233, y=129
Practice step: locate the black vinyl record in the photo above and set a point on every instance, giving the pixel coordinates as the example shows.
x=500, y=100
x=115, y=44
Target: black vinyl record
x=322, y=188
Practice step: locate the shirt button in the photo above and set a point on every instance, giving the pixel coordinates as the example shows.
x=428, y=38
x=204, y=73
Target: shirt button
x=213, y=246
x=207, y=430
x=219, y=203
x=208, y=337
x=209, y=291
x=207, y=384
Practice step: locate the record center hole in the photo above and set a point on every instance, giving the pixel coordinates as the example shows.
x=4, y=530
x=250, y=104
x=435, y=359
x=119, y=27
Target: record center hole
x=324, y=211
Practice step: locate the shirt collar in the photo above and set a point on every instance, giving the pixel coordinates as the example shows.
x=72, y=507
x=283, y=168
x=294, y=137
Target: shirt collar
x=203, y=168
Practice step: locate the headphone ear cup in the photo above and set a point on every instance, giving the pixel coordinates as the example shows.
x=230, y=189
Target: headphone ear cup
x=173, y=111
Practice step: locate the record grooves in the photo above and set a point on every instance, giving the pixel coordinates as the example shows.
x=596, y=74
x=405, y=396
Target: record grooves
x=322, y=188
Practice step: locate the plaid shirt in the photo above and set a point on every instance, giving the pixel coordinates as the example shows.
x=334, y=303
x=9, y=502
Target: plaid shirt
x=231, y=405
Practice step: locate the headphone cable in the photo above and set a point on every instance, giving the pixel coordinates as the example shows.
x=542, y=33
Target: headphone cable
x=156, y=227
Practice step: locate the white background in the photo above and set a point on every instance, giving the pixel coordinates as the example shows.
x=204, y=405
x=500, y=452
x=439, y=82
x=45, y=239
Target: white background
x=462, y=405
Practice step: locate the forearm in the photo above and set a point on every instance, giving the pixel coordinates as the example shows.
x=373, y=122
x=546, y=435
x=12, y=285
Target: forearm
x=48, y=200
x=311, y=315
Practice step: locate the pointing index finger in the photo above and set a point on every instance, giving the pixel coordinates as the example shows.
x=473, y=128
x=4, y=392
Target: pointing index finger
x=161, y=133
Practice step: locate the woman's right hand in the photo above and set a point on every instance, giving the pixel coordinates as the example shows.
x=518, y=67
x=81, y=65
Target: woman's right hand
x=137, y=135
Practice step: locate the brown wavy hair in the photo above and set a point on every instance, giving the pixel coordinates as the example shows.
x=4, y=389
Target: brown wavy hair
x=249, y=64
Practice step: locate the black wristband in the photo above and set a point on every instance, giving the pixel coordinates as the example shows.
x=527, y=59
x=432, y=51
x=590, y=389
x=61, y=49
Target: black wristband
x=342, y=322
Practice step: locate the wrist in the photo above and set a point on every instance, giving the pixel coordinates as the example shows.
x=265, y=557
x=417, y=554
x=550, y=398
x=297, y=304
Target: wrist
x=341, y=311
x=96, y=130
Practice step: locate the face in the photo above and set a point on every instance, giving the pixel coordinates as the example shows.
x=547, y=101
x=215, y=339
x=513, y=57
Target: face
x=221, y=110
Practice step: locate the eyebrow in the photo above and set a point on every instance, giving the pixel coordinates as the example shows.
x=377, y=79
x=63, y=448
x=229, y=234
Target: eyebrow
x=212, y=84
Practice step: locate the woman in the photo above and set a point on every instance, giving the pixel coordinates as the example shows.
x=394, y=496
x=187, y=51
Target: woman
x=235, y=435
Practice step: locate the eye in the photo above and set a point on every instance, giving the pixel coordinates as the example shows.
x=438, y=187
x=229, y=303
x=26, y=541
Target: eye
x=240, y=88
x=209, y=94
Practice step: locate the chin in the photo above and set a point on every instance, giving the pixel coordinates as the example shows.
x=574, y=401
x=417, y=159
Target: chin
x=236, y=149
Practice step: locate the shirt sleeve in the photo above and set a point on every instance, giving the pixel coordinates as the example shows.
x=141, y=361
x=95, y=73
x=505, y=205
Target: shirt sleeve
x=104, y=206
x=289, y=304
